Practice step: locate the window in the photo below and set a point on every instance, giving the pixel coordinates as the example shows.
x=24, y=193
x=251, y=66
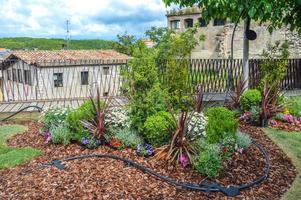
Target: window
x=175, y=24
x=105, y=94
x=218, y=22
x=202, y=22
x=106, y=70
x=188, y=23
x=84, y=78
x=27, y=77
x=9, y=74
x=20, y=78
x=14, y=75
x=58, y=79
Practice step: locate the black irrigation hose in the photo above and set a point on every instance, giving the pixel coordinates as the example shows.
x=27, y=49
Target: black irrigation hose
x=19, y=111
x=203, y=186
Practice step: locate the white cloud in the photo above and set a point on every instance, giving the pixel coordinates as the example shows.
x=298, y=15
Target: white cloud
x=88, y=18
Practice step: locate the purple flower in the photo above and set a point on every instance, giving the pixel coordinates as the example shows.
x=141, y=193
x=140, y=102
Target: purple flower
x=85, y=141
x=138, y=150
x=47, y=137
x=183, y=160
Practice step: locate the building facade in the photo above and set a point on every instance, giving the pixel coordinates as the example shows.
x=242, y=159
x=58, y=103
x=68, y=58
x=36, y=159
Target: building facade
x=47, y=75
x=218, y=35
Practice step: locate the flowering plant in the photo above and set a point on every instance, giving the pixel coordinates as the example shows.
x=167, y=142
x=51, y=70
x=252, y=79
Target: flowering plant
x=55, y=116
x=196, y=126
x=117, y=118
x=146, y=150
x=91, y=143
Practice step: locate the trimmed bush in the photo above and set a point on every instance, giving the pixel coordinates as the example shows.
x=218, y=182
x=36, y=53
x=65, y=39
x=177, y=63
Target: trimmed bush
x=84, y=112
x=209, y=162
x=220, y=121
x=250, y=98
x=158, y=128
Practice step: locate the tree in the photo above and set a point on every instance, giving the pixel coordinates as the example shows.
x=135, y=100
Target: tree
x=126, y=44
x=275, y=13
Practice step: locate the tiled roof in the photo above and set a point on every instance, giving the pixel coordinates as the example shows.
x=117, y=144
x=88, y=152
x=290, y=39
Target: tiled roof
x=74, y=56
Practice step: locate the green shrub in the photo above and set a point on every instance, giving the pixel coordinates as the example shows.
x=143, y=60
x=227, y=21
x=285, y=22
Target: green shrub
x=228, y=146
x=84, y=112
x=249, y=99
x=243, y=140
x=220, y=121
x=294, y=106
x=128, y=137
x=55, y=116
x=158, y=128
x=60, y=134
x=209, y=162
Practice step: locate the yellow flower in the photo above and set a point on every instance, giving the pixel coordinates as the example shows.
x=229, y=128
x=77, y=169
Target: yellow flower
x=286, y=111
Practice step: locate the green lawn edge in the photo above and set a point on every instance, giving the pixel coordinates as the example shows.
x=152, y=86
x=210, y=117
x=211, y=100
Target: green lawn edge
x=290, y=143
x=10, y=156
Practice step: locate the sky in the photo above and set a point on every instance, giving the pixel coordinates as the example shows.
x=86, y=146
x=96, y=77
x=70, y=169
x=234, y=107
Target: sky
x=89, y=19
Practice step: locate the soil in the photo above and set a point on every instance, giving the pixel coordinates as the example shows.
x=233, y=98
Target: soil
x=101, y=178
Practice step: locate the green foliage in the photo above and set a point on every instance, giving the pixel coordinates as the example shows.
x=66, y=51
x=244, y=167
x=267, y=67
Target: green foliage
x=209, y=162
x=249, y=99
x=126, y=44
x=128, y=137
x=273, y=71
x=243, y=140
x=276, y=14
x=75, y=118
x=220, y=121
x=61, y=134
x=55, y=116
x=158, y=128
x=9, y=156
x=53, y=44
x=228, y=145
x=294, y=106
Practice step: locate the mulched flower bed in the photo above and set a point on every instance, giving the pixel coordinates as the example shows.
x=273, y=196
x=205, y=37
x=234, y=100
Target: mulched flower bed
x=286, y=126
x=110, y=179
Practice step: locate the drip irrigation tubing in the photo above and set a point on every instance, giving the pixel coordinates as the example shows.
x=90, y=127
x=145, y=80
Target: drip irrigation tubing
x=21, y=110
x=204, y=186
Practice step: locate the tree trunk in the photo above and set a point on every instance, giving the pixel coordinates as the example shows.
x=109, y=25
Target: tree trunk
x=245, y=57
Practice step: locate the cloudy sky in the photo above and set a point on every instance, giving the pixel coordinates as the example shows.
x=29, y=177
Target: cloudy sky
x=101, y=19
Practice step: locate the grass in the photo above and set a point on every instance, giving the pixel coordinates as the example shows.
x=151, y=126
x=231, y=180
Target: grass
x=291, y=144
x=23, y=116
x=9, y=156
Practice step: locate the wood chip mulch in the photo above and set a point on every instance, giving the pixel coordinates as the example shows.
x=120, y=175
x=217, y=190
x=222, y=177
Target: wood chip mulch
x=286, y=126
x=110, y=179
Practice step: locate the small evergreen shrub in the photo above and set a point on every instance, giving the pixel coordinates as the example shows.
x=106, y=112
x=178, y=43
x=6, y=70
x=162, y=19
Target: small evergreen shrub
x=250, y=98
x=220, y=121
x=84, y=112
x=243, y=140
x=209, y=162
x=60, y=134
x=158, y=128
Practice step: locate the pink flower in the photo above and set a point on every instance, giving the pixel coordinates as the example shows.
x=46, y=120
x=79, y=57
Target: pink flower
x=273, y=122
x=183, y=160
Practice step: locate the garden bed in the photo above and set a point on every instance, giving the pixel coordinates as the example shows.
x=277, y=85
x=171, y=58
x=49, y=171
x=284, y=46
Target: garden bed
x=286, y=126
x=109, y=179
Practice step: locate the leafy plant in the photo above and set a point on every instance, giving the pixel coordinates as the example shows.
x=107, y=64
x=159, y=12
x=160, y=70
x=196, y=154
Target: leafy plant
x=209, y=162
x=196, y=125
x=228, y=146
x=61, y=134
x=294, y=106
x=243, y=140
x=158, y=128
x=220, y=121
x=129, y=137
x=55, y=116
x=84, y=112
x=145, y=150
x=118, y=118
x=90, y=142
x=236, y=95
x=249, y=99
x=96, y=126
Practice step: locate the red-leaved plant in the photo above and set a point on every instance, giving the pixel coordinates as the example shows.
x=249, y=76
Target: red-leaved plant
x=236, y=94
x=97, y=126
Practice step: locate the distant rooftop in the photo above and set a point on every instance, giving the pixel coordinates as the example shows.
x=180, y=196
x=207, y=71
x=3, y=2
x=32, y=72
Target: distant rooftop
x=40, y=56
x=184, y=11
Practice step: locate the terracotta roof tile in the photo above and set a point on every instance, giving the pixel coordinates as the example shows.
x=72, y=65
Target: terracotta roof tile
x=40, y=56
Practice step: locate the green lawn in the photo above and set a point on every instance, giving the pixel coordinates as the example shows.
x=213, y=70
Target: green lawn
x=9, y=156
x=291, y=144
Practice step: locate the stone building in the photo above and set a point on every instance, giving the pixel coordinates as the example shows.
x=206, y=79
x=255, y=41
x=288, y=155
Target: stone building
x=218, y=35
